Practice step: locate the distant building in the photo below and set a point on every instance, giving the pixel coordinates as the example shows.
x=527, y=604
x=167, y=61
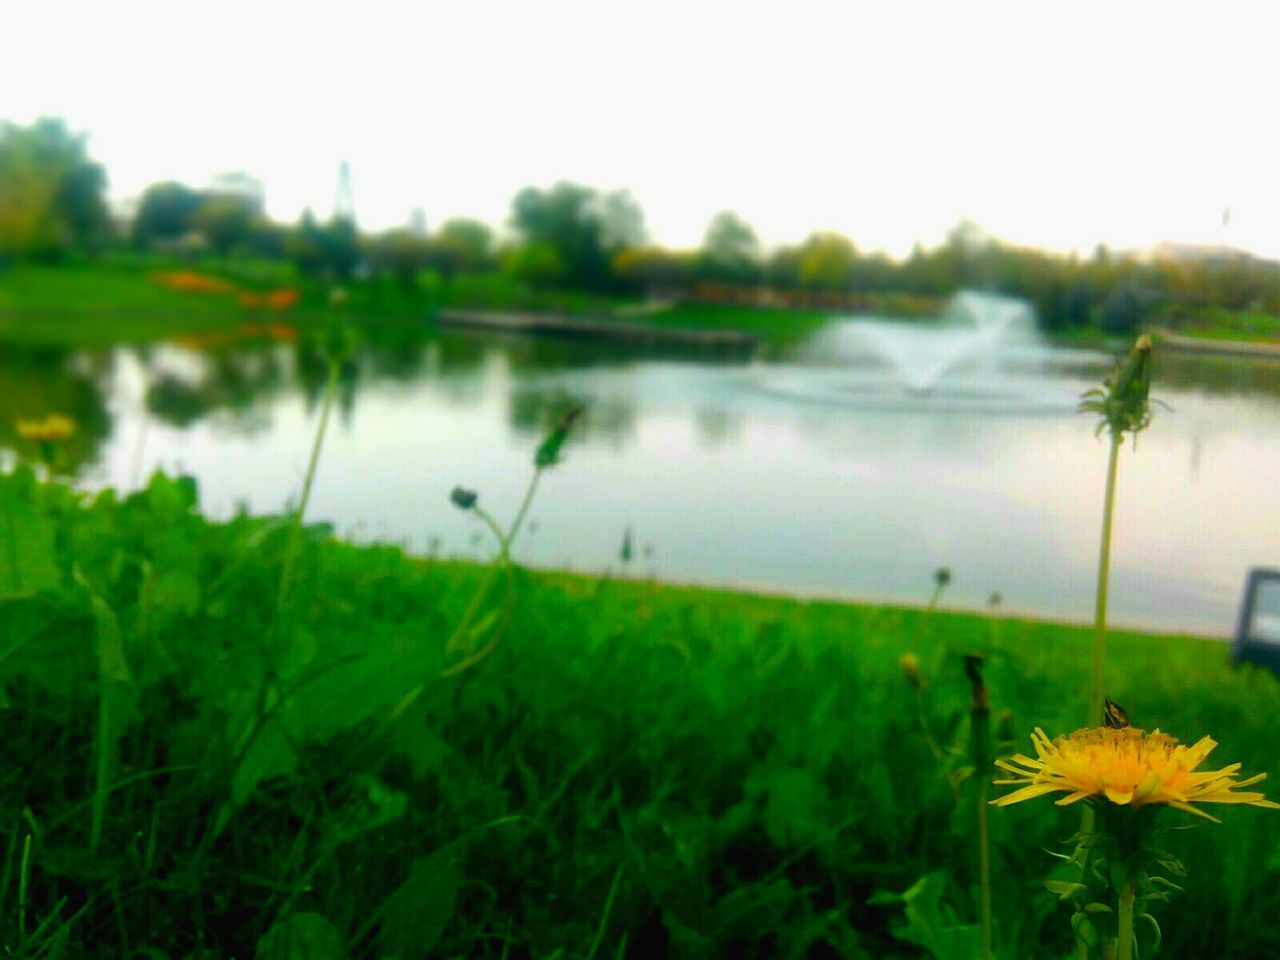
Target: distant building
x=239, y=186
x=418, y=221
x=1198, y=253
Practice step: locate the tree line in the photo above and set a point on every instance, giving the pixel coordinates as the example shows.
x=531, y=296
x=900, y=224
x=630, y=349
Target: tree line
x=572, y=237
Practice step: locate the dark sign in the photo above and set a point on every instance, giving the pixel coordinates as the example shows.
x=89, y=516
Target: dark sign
x=1258, y=629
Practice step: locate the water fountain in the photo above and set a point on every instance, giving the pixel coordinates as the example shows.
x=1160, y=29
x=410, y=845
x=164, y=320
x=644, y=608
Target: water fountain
x=984, y=354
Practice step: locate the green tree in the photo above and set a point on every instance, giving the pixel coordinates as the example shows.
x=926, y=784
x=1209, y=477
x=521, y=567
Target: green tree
x=537, y=264
x=826, y=261
x=730, y=249
x=462, y=245
x=656, y=270
x=51, y=193
x=303, y=245
x=1121, y=312
x=403, y=254
x=330, y=250
x=621, y=221
x=783, y=267
x=225, y=221
x=566, y=220
x=165, y=212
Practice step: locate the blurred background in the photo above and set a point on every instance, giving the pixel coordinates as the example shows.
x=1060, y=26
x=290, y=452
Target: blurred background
x=829, y=280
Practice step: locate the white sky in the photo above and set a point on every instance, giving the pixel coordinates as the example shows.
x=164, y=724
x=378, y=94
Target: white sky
x=1056, y=125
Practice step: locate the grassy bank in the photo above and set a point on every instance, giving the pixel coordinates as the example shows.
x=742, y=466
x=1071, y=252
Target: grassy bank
x=118, y=299
x=773, y=325
x=195, y=767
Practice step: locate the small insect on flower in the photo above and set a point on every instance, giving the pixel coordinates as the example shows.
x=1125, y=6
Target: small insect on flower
x=1127, y=767
x=1114, y=716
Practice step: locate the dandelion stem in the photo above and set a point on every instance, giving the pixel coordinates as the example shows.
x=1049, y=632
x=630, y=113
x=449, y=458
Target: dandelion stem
x=1104, y=572
x=295, y=535
x=524, y=509
x=980, y=754
x=984, y=869
x=1124, y=922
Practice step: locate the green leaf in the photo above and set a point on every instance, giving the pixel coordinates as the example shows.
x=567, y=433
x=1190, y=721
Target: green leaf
x=1084, y=928
x=1096, y=907
x=270, y=754
x=798, y=808
x=302, y=936
x=930, y=926
x=1155, y=927
x=117, y=701
x=1064, y=889
x=415, y=916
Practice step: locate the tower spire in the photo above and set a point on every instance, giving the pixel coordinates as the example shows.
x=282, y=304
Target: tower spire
x=344, y=208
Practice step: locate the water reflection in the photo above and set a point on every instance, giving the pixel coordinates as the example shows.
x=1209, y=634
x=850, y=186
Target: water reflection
x=720, y=481
x=35, y=381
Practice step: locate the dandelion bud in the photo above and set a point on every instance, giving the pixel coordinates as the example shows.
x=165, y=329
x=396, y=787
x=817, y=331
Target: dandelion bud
x=548, y=454
x=1123, y=401
x=463, y=498
x=909, y=664
x=942, y=576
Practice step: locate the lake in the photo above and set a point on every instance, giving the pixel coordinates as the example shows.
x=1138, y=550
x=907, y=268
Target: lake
x=807, y=473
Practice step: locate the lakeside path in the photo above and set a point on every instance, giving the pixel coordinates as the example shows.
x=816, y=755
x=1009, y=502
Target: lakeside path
x=1225, y=348
x=552, y=324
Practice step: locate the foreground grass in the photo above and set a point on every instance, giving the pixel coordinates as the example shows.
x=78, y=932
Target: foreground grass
x=191, y=770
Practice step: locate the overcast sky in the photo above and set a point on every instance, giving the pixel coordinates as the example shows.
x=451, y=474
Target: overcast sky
x=1057, y=125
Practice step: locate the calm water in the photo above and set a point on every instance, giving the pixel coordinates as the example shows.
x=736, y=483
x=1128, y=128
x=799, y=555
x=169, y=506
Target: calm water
x=802, y=475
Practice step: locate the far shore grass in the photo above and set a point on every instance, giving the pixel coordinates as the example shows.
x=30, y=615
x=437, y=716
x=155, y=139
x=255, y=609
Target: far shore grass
x=115, y=299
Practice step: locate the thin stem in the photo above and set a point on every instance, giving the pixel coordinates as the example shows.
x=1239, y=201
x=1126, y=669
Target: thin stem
x=1124, y=922
x=1104, y=572
x=295, y=536
x=24, y=874
x=984, y=869
x=524, y=509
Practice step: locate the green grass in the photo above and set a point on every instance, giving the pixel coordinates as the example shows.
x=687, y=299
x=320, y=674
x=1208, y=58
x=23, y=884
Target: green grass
x=635, y=771
x=97, y=304
x=1220, y=323
x=776, y=325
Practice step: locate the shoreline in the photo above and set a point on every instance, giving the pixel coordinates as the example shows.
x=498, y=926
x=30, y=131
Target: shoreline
x=1250, y=349
x=552, y=324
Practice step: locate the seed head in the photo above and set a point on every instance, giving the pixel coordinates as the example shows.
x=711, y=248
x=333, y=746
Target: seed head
x=463, y=498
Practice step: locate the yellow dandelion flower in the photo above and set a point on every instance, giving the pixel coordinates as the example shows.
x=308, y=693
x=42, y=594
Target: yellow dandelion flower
x=52, y=428
x=1129, y=767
